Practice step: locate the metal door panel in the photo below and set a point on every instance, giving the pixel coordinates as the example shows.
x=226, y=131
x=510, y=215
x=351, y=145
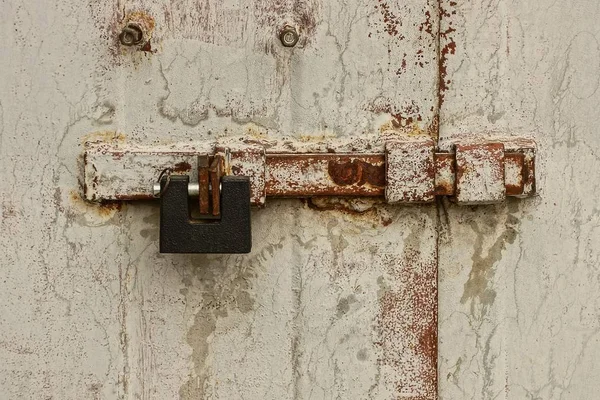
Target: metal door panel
x=336, y=301
x=519, y=282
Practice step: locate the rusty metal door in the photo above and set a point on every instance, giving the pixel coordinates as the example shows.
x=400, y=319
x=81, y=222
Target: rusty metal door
x=338, y=298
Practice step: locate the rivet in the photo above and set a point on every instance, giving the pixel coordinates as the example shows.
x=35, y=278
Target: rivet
x=288, y=36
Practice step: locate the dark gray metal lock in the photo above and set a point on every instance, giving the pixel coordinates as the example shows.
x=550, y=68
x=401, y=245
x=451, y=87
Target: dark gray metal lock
x=227, y=233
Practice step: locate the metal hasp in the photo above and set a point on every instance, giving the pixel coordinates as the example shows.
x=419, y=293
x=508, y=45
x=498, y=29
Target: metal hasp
x=228, y=233
x=403, y=169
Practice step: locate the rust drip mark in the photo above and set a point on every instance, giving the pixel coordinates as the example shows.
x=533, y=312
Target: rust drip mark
x=407, y=325
x=447, y=46
x=356, y=172
x=147, y=47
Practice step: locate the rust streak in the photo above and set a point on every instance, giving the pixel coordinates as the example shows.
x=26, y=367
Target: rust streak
x=216, y=171
x=203, y=183
x=182, y=167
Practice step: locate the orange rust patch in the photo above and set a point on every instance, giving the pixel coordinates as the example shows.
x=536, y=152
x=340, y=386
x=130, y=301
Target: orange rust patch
x=407, y=326
x=356, y=172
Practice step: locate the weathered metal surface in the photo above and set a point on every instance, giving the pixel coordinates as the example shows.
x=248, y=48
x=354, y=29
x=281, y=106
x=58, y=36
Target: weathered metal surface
x=519, y=282
x=480, y=173
x=90, y=311
x=325, y=175
x=514, y=173
x=247, y=160
x=526, y=164
x=445, y=174
x=410, y=170
x=306, y=314
x=127, y=161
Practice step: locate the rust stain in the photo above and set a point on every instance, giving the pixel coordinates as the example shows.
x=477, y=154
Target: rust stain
x=391, y=21
x=104, y=209
x=145, y=20
x=407, y=323
x=447, y=47
x=516, y=161
x=370, y=212
x=326, y=174
x=146, y=23
x=147, y=47
x=133, y=196
x=203, y=181
x=344, y=173
x=182, y=167
x=427, y=25
x=216, y=172
x=356, y=172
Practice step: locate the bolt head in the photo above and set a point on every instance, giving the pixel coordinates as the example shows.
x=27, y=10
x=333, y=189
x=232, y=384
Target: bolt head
x=288, y=36
x=131, y=35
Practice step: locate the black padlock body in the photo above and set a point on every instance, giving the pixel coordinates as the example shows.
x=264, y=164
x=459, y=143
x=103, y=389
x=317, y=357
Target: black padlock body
x=179, y=233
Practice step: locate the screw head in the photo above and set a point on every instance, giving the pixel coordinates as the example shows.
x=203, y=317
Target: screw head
x=288, y=36
x=131, y=35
